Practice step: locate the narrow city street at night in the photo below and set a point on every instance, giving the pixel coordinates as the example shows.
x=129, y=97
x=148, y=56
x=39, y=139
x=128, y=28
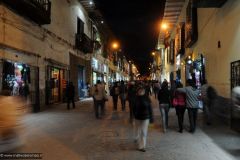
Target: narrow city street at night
x=75, y=134
x=120, y=79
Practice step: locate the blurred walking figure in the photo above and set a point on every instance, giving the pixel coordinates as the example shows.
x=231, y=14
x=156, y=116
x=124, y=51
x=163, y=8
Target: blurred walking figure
x=156, y=88
x=164, y=104
x=70, y=94
x=179, y=102
x=131, y=98
x=208, y=95
x=148, y=91
x=100, y=96
x=114, y=92
x=143, y=114
x=123, y=95
x=192, y=99
x=12, y=109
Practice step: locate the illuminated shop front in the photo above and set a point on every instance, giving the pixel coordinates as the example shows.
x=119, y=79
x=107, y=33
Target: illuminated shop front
x=195, y=69
x=55, y=84
x=99, y=71
x=15, y=77
x=20, y=79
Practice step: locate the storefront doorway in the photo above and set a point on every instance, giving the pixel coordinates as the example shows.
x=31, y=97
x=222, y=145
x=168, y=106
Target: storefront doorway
x=82, y=92
x=54, y=85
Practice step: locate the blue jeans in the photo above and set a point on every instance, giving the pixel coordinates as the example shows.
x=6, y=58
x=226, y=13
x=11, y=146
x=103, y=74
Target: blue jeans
x=164, y=109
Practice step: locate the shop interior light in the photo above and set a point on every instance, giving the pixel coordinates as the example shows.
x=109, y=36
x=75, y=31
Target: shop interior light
x=91, y=2
x=189, y=61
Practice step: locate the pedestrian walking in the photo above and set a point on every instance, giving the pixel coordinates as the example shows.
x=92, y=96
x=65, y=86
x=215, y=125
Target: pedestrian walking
x=70, y=94
x=114, y=92
x=192, y=105
x=164, y=104
x=208, y=97
x=148, y=91
x=156, y=88
x=179, y=102
x=143, y=114
x=123, y=95
x=131, y=99
x=100, y=96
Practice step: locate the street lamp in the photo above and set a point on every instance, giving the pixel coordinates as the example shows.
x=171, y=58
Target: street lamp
x=164, y=26
x=115, y=45
x=153, y=53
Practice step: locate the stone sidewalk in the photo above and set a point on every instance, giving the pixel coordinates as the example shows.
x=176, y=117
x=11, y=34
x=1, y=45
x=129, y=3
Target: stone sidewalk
x=61, y=134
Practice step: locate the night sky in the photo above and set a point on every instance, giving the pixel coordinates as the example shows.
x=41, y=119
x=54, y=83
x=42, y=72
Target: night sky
x=136, y=24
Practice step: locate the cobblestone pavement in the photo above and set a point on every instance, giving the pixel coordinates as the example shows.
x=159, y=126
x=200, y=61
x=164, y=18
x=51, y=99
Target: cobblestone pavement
x=61, y=134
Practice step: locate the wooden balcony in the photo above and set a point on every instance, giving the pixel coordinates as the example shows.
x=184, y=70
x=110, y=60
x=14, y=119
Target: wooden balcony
x=84, y=43
x=208, y=3
x=38, y=11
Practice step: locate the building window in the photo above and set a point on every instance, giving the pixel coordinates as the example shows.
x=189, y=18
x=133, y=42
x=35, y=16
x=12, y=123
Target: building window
x=80, y=26
x=235, y=74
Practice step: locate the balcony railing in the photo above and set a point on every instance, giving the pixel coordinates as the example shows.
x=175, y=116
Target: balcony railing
x=208, y=3
x=38, y=11
x=84, y=43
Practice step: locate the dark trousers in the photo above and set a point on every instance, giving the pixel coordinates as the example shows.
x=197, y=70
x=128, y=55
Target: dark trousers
x=131, y=109
x=192, y=114
x=69, y=100
x=99, y=104
x=123, y=101
x=156, y=93
x=180, y=113
x=115, y=102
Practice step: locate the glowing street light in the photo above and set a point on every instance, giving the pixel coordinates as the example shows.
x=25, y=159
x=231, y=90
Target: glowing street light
x=115, y=45
x=153, y=53
x=164, y=26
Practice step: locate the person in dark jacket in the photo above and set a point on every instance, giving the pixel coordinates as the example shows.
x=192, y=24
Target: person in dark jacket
x=70, y=93
x=143, y=115
x=164, y=104
x=114, y=92
x=123, y=95
x=131, y=98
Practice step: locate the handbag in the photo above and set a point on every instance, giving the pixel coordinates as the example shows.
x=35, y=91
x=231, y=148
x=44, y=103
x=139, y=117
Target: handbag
x=175, y=102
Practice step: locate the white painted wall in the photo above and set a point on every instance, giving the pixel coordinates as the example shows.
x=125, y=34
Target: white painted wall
x=217, y=24
x=23, y=34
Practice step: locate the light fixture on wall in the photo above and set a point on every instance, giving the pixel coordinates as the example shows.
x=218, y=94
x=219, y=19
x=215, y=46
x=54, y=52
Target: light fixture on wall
x=91, y=2
x=219, y=44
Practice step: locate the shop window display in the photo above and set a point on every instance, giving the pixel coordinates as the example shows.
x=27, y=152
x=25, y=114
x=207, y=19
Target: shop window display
x=16, y=77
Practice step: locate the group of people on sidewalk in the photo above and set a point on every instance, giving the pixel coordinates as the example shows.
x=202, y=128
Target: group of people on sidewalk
x=181, y=98
x=137, y=93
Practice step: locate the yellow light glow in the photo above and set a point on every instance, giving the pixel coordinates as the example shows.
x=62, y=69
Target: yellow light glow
x=189, y=57
x=115, y=45
x=153, y=53
x=164, y=26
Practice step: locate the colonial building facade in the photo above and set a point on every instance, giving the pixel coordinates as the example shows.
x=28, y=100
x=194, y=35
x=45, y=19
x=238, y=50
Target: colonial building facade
x=45, y=44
